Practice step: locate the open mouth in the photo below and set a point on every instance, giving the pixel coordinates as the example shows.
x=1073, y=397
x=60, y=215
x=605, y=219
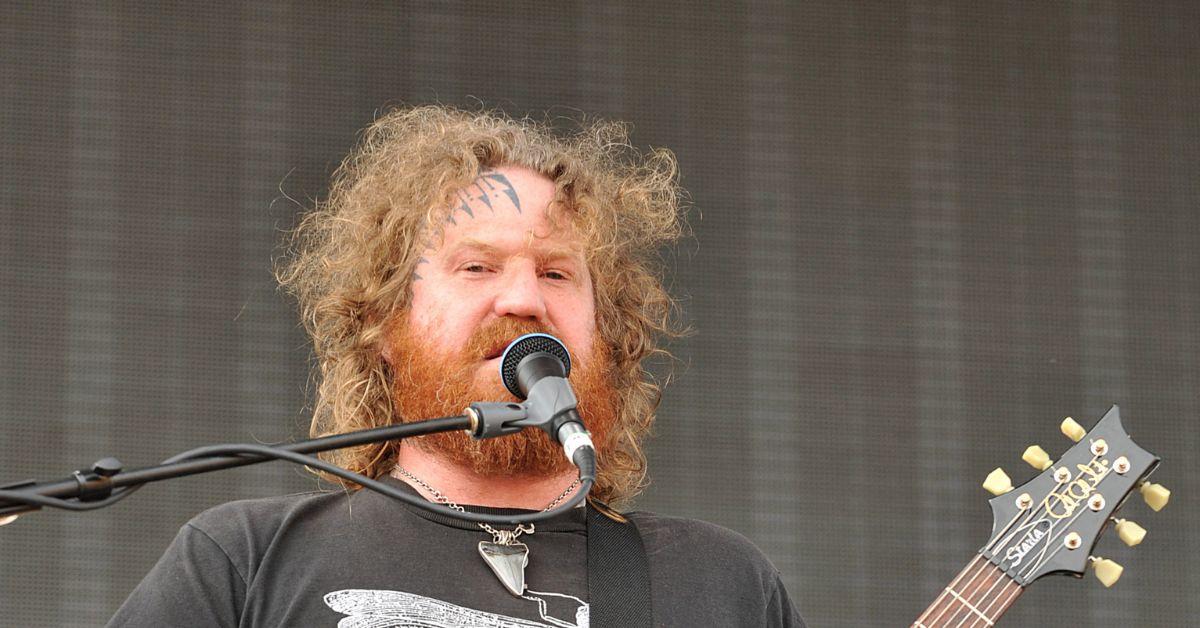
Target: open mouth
x=497, y=350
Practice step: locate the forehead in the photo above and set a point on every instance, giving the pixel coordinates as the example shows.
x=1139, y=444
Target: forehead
x=504, y=209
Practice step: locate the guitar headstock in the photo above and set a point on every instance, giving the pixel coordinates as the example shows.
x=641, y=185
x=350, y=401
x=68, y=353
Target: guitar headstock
x=1050, y=524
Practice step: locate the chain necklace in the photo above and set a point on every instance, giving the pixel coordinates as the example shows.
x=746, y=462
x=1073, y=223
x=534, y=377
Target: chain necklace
x=506, y=556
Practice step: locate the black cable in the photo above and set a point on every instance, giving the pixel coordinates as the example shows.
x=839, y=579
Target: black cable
x=268, y=452
x=380, y=487
x=34, y=499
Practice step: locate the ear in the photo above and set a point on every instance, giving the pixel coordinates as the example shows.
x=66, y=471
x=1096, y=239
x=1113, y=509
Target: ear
x=385, y=341
x=386, y=352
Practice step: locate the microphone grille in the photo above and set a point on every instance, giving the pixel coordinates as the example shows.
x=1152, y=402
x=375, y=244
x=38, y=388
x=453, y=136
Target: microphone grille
x=524, y=346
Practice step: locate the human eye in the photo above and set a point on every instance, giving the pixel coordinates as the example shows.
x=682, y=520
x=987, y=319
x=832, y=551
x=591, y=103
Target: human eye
x=556, y=275
x=475, y=268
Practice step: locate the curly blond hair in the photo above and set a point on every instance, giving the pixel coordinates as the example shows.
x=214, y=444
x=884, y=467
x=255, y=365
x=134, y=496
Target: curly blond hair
x=350, y=262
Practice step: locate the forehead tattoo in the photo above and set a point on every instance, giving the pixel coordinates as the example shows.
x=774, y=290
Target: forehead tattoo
x=487, y=188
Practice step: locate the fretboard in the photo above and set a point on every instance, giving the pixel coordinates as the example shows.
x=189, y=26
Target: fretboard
x=977, y=597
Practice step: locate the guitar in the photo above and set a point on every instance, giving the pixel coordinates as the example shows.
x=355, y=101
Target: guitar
x=1050, y=524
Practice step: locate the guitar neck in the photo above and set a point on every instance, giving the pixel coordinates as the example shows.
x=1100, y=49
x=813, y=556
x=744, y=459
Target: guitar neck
x=977, y=597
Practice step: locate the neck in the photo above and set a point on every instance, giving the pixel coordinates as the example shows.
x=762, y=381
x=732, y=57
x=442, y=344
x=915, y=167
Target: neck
x=978, y=595
x=463, y=486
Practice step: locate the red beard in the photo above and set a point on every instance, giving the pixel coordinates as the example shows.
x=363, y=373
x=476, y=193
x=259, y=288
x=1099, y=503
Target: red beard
x=428, y=385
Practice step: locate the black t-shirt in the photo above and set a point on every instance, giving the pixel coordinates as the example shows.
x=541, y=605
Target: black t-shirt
x=364, y=560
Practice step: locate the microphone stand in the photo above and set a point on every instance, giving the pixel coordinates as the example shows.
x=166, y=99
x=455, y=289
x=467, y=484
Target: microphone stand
x=106, y=482
x=537, y=365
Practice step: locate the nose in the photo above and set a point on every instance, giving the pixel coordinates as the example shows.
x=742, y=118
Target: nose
x=521, y=294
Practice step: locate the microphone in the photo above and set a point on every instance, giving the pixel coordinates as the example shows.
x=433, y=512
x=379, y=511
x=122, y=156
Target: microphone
x=535, y=367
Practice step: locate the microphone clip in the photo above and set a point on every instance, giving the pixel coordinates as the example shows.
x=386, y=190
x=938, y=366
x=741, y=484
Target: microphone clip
x=492, y=419
x=549, y=412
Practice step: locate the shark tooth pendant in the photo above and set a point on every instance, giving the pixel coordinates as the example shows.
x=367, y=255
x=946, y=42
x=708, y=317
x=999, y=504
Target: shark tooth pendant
x=508, y=562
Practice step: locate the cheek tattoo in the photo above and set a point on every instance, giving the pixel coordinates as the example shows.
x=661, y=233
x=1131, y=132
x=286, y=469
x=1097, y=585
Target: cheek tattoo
x=420, y=260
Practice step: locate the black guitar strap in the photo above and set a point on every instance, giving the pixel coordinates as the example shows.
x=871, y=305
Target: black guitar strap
x=618, y=573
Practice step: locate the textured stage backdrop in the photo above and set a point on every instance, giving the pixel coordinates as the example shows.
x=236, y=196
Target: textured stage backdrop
x=922, y=235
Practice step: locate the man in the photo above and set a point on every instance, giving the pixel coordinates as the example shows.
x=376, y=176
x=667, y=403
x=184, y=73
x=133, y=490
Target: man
x=446, y=235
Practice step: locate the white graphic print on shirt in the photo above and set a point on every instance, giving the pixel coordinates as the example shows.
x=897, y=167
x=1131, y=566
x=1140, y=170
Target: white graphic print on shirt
x=368, y=608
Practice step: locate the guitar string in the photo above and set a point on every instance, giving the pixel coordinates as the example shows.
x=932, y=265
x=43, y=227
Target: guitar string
x=1000, y=577
x=982, y=613
x=966, y=593
x=993, y=616
x=964, y=600
x=1004, y=606
x=937, y=600
x=986, y=615
x=1001, y=595
x=921, y=620
x=951, y=588
x=972, y=607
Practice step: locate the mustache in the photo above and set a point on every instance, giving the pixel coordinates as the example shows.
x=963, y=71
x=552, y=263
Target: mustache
x=490, y=340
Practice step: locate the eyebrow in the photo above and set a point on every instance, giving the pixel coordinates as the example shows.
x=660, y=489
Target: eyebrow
x=542, y=255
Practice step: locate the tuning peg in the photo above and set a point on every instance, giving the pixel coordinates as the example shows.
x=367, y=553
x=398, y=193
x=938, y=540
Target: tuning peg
x=998, y=482
x=1107, y=571
x=1072, y=430
x=1131, y=533
x=1037, y=458
x=1156, y=495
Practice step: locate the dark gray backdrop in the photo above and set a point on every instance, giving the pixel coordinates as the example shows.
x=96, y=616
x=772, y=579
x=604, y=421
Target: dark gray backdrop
x=923, y=234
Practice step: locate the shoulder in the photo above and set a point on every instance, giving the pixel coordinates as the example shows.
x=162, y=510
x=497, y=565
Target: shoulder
x=246, y=529
x=261, y=513
x=704, y=574
x=264, y=508
x=691, y=539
